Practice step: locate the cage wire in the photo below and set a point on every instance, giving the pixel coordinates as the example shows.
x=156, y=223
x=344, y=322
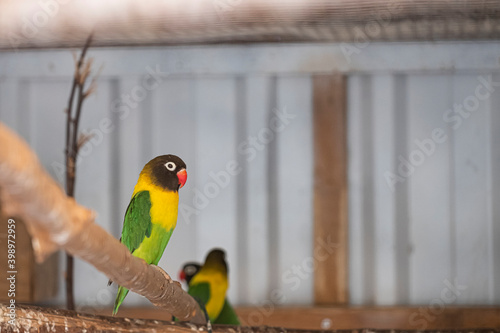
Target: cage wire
x=57, y=23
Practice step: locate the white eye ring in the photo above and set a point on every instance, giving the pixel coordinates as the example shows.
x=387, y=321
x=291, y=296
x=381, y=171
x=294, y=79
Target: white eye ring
x=190, y=270
x=170, y=166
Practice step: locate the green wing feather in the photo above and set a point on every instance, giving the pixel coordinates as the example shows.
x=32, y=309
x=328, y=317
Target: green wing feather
x=137, y=223
x=227, y=315
x=200, y=291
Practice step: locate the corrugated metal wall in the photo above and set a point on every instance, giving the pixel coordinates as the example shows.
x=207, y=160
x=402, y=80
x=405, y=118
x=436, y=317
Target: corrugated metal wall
x=214, y=107
x=248, y=188
x=424, y=170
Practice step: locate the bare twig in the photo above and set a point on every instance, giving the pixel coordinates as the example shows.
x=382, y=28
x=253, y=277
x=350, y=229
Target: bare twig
x=83, y=139
x=82, y=71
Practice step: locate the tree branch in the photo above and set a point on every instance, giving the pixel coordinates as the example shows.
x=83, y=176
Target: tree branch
x=69, y=112
x=72, y=147
x=55, y=220
x=32, y=318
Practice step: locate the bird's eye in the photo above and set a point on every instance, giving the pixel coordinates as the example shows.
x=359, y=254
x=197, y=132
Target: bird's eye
x=170, y=166
x=190, y=270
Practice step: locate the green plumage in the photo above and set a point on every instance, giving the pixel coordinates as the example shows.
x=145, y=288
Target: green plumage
x=227, y=315
x=200, y=291
x=151, y=215
x=150, y=254
x=137, y=223
x=138, y=228
x=209, y=286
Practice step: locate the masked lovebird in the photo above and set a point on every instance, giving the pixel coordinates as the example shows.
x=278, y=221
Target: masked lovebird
x=209, y=284
x=151, y=215
x=188, y=271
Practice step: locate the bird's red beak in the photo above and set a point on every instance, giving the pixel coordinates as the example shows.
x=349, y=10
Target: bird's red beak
x=182, y=276
x=182, y=175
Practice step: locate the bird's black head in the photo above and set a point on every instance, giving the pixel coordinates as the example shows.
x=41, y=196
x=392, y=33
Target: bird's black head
x=167, y=171
x=188, y=271
x=217, y=259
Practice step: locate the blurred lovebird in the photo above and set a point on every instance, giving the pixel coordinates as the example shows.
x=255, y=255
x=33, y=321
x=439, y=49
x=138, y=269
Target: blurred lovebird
x=209, y=284
x=188, y=271
x=151, y=215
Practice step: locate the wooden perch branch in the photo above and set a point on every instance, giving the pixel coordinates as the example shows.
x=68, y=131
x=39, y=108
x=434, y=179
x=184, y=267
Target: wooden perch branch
x=57, y=221
x=31, y=318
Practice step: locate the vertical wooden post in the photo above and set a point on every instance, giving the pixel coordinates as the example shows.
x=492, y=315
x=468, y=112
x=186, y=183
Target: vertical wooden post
x=330, y=190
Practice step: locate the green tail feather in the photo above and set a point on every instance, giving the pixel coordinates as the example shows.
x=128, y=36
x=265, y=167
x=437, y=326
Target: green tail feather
x=120, y=296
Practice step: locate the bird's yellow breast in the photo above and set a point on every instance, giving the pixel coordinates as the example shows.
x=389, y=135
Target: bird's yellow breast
x=164, y=203
x=218, y=286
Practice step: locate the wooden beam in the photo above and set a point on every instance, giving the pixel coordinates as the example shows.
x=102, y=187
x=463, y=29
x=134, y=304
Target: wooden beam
x=330, y=190
x=301, y=59
x=427, y=317
x=25, y=318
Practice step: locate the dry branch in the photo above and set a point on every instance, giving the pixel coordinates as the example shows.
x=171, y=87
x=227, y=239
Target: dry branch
x=57, y=221
x=73, y=146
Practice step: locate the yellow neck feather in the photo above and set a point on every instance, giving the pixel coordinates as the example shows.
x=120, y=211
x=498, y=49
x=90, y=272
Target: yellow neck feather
x=164, y=203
